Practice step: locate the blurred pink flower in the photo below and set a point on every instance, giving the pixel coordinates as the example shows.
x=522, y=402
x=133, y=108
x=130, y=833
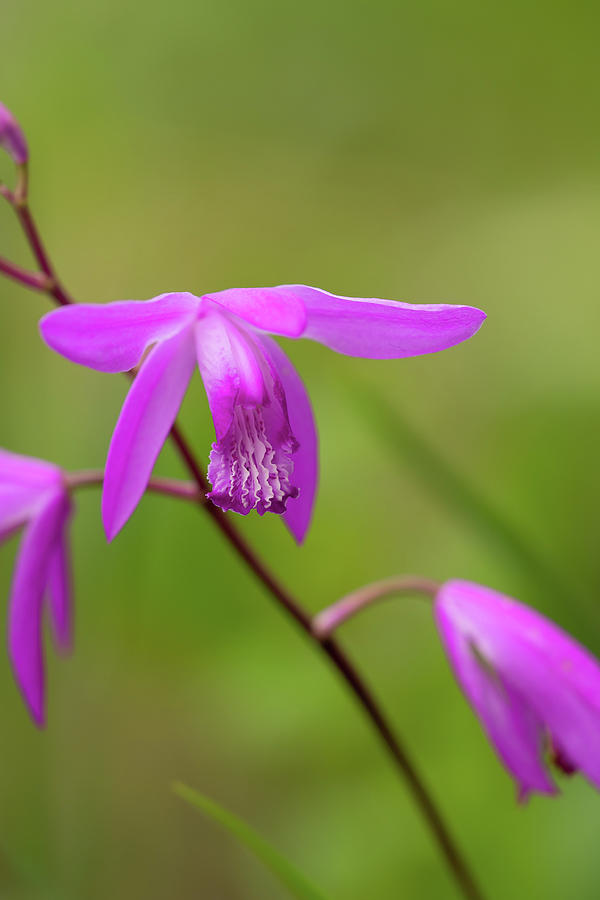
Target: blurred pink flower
x=533, y=687
x=33, y=496
x=265, y=455
x=12, y=138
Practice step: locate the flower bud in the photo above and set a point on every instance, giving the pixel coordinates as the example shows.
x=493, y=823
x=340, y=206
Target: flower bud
x=12, y=138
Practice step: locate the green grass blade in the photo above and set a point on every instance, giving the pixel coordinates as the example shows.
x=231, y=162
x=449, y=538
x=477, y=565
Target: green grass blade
x=283, y=870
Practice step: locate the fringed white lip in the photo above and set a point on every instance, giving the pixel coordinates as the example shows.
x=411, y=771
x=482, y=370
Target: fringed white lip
x=248, y=470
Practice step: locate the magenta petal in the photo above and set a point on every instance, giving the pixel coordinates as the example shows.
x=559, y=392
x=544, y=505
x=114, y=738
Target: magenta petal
x=559, y=677
x=146, y=418
x=60, y=594
x=305, y=475
x=22, y=481
x=276, y=310
x=16, y=506
x=515, y=731
x=112, y=337
x=383, y=329
x=555, y=679
x=26, y=470
x=572, y=723
x=229, y=367
x=25, y=612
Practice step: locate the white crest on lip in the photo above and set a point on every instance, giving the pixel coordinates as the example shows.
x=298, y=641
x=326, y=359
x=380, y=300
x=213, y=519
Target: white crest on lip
x=246, y=471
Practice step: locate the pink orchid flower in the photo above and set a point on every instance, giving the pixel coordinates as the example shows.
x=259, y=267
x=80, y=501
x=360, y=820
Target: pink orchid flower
x=12, y=138
x=533, y=687
x=265, y=455
x=33, y=496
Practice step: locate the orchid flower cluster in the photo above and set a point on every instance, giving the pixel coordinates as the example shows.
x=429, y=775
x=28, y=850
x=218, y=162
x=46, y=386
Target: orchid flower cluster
x=535, y=690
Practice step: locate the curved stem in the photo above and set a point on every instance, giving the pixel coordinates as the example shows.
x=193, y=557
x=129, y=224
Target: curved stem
x=171, y=487
x=337, y=657
x=330, y=618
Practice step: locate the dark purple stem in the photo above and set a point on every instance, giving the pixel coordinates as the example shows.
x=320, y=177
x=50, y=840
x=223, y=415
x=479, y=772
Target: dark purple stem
x=457, y=865
x=56, y=290
x=52, y=284
x=33, y=280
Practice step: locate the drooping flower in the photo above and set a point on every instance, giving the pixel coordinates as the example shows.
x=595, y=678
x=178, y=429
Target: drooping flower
x=535, y=690
x=265, y=455
x=12, y=138
x=33, y=497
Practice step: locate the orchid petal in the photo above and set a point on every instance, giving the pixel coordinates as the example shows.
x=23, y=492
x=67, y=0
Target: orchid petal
x=383, y=329
x=146, y=418
x=27, y=471
x=17, y=502
x=305, y=475
x=573, y=724
x=112, y=337
x=276, y=310
x=514, y=730
x=516, y=625
x=22, y=480
x=25, y=612
x=559, y=677
x=59, y=591
x=555, y=678
x=229, y=368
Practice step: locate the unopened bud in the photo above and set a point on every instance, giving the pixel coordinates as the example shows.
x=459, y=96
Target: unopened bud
x=12, y=138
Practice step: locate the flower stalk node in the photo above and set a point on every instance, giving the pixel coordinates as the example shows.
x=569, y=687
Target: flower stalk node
x=19, y=197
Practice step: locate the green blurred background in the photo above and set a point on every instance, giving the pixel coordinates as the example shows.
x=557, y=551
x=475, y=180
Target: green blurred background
x=431, y=152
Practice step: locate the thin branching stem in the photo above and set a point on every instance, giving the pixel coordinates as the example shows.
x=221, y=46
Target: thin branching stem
x=18, y=201
x=34, y=280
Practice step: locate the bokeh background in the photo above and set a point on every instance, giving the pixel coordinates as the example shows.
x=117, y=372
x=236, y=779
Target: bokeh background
x=423, y=151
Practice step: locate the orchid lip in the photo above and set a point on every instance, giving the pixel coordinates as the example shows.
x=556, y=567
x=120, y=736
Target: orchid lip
x=247, y=470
